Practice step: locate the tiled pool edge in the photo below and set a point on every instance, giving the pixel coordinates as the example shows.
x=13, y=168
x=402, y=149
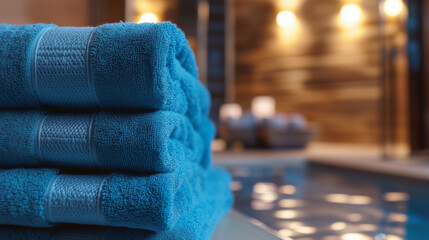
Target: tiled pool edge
x=414, y=168
x=405, y=168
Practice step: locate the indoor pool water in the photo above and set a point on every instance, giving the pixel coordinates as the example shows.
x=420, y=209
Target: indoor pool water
x=306, y=201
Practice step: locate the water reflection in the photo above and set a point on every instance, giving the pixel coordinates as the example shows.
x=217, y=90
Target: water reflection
x=382, y=236
x=348, y=199
x=397, y=217
x=286, y=214
x=285, y=232
x=290, y=203
x=396, y=197
x=236, y=186
x=306, y=201
x=354, y=217
x=355, y=236
x=338, y=226
x=306, y=230
x=287, y=189
x=266, y=197
x=261, y=205
x=332, y=237
x=367, y=227
x=262, y=187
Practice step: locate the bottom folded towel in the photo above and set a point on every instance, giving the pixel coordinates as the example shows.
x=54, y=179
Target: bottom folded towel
x=199, y=224
x=43, y=197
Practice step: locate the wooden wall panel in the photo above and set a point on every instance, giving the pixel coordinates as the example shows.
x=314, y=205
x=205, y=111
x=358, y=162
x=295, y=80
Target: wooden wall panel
x=329, y=73
x=60, y=12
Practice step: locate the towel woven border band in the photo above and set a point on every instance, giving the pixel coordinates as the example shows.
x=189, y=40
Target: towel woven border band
x=66, y=140
x=75, y=199
x=61, y=73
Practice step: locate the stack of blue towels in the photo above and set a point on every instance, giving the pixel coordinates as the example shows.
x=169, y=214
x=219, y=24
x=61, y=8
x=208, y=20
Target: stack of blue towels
x=105, y=126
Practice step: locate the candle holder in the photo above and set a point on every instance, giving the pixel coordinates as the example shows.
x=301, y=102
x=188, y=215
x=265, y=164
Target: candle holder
x=242, y=130
x=286, y=132
x=263, y=128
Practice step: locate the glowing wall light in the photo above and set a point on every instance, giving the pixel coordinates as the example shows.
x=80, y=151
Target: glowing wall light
x=148, y=18
x=286, y=19
x=350, y=14
x=393, y=8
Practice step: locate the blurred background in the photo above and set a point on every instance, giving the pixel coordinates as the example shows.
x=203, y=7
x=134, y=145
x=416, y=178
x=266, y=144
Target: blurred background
x=354, y=67
x=321, y=106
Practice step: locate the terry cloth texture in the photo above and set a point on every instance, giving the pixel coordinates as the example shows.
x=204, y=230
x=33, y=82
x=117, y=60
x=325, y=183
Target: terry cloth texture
x=198, y=224
x=113, y=66
x=157, y=141
x=43, y=197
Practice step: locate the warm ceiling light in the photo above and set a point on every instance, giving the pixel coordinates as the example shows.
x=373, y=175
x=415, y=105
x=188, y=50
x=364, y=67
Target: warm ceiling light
x=148, y=18
x=286, y=19
x=351, y=14
x=393, y=8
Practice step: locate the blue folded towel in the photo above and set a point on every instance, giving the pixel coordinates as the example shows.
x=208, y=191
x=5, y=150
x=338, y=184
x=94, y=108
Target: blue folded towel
x=207, y=131
x=199, y=224
x=157, y=141
x=43, y=197
x=113, y=66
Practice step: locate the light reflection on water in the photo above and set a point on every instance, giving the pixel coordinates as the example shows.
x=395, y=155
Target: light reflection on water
x=307, y=201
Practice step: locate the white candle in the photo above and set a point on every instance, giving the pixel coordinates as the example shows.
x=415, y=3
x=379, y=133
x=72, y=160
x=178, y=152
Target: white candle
x=264, y=107
x=230, y=111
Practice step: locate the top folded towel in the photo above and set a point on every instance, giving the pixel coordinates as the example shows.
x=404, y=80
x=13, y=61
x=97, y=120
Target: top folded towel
x=113, y=66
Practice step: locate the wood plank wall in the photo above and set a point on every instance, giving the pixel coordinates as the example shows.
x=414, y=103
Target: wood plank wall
x=62, y=12
x=328, y=72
